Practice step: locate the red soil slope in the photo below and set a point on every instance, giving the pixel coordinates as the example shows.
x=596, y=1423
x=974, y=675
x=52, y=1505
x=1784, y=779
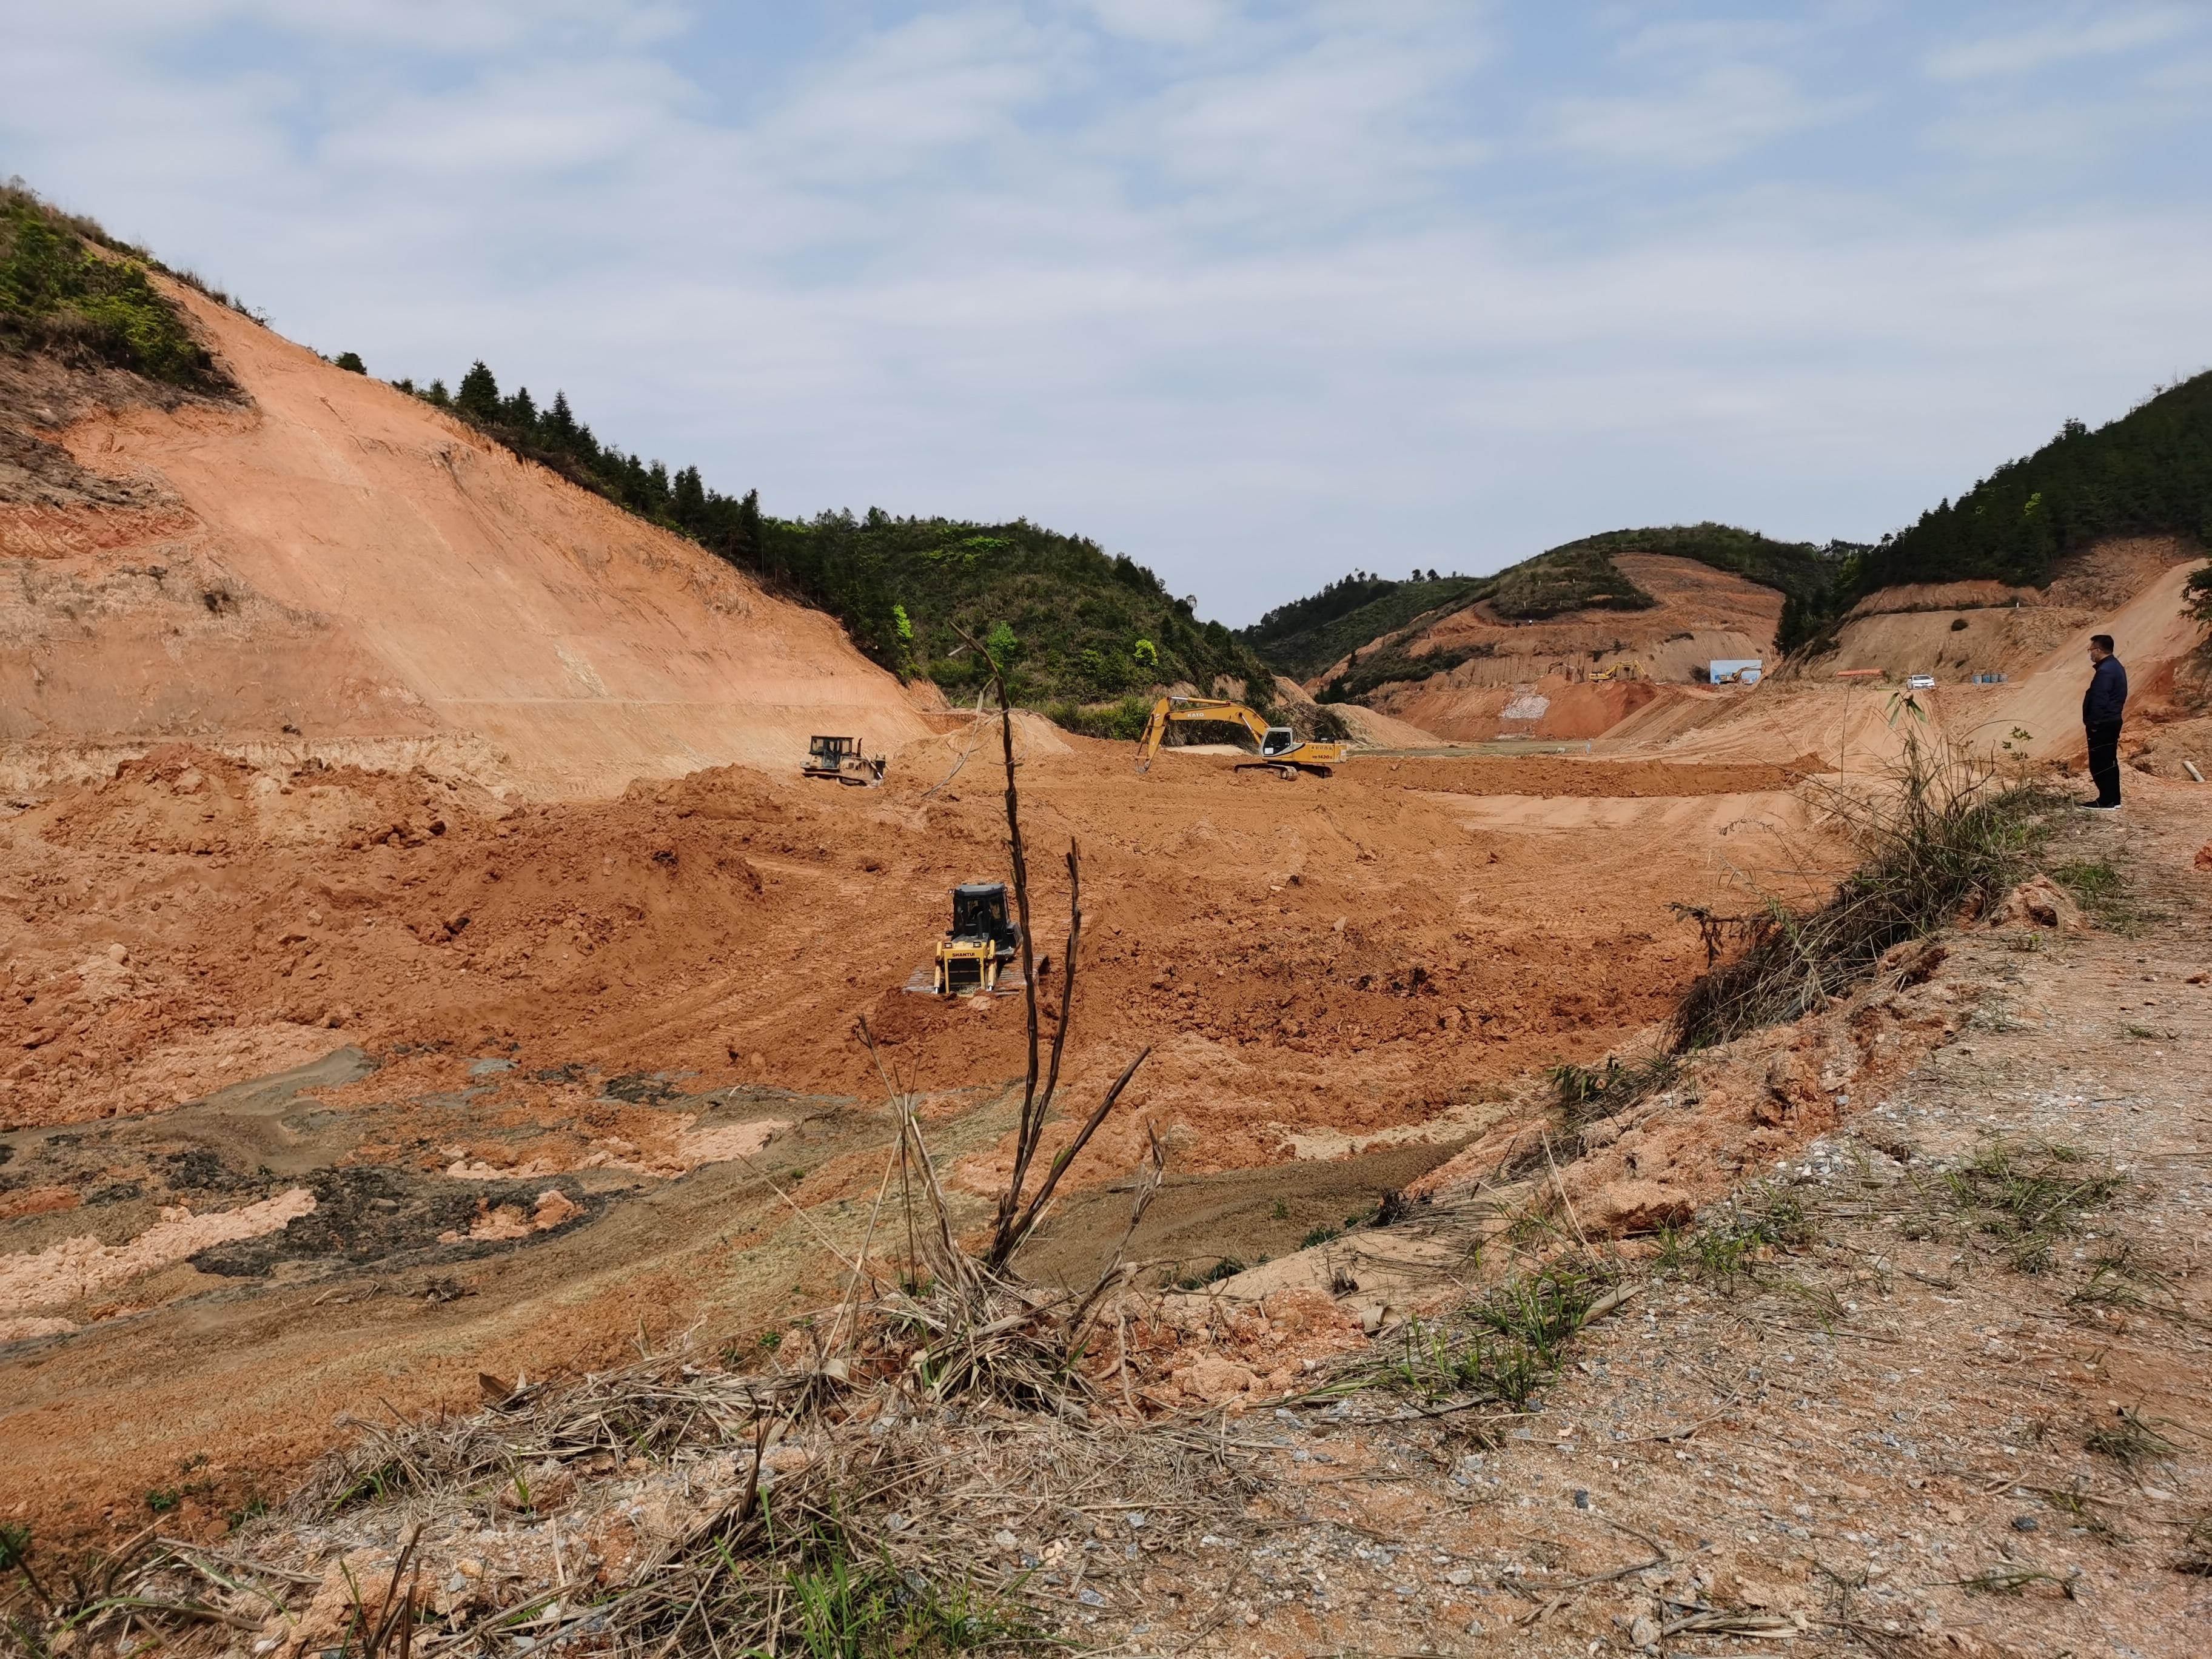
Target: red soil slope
x=341, y=570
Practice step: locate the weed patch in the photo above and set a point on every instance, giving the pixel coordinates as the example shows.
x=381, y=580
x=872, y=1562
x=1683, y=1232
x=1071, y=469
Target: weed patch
x=2100, y=889
x=1502, y=1349
x=2026, y=1195
x=1589, y=1094
x=2128, y=1441
x=1228, y=1268
x=1731, y=1248
x=2013, y=1581
x=2121, y=1278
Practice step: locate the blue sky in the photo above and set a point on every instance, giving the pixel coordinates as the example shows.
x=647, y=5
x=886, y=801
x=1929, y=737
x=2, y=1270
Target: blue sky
x=1255, y=290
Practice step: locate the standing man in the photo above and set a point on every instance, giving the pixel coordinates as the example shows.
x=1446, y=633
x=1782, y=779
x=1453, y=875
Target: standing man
x=2101, y=706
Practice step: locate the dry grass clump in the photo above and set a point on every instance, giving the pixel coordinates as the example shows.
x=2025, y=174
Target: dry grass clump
x=1949, y=833
x=650, y=1410
x=810, y=1518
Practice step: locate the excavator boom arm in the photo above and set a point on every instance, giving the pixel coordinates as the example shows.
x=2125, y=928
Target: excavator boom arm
x=1220, y=711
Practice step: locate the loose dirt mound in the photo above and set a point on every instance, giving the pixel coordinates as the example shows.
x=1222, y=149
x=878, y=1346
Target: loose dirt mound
x=1379, y=730
x=342, y=571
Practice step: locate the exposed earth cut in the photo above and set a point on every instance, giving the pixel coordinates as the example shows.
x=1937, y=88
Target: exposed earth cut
x=423, y=965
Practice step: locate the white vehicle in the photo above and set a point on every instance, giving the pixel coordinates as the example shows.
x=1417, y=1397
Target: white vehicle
x=1920, y=682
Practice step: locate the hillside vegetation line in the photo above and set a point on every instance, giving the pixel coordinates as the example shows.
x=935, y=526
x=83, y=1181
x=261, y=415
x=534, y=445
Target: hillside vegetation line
x=1075, y=626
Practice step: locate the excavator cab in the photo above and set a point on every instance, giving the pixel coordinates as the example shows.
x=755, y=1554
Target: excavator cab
x=982, y=942
x=1280, y=740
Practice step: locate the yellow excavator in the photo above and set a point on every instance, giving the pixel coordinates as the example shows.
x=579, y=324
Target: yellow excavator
x=1281, y=748
x=1626, y=669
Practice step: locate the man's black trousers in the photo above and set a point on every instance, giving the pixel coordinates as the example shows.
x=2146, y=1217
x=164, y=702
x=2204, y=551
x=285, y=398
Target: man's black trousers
x=2105, y=760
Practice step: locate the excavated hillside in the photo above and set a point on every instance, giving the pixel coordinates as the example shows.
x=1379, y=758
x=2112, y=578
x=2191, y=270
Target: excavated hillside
x=421, y=966
x=1493, y=675
x=325, y=568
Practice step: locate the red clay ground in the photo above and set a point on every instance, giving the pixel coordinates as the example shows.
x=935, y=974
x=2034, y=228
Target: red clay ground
x=1321, y=968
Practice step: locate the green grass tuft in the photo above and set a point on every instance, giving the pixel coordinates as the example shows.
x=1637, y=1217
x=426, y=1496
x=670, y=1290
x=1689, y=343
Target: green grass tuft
x=1730, y=1248
x=1502, y=1349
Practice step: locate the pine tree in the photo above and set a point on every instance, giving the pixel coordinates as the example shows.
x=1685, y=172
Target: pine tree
x=520, y=411
x=479, y=397
x=559, y=421
x=747, y=548
x=688, y=506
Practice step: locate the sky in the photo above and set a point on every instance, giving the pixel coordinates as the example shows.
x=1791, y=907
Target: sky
x=1256, y=291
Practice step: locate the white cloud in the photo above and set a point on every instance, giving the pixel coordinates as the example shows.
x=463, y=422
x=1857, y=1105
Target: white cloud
x=2074, y=33
x=1251, y=289
x=1720, y=114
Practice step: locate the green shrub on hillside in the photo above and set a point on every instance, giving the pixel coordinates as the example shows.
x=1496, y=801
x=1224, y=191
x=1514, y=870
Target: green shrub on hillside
x=1575, y=577
x=1123, y=722
x=1798, y=569
x=1392, y=664
x=1344, y=595
x=66, y=286
x=2197, y=597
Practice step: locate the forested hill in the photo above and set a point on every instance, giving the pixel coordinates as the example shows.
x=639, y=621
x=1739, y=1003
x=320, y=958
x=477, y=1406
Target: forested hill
x=1074, y=623
x=1302, y=638
x=2148, y=472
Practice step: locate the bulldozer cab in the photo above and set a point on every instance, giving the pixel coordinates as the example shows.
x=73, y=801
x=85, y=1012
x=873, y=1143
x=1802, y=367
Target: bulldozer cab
x=979, y=912
x=972, y=956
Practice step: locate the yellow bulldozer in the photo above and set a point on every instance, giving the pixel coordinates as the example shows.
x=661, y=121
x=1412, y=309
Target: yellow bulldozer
x=980, y=943
x=1281, y=749
x=841, y=760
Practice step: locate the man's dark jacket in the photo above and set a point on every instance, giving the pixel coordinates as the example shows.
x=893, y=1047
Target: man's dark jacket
x=2107, y=694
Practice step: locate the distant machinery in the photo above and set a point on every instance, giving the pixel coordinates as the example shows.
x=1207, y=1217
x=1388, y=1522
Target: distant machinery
x=1280, y=749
